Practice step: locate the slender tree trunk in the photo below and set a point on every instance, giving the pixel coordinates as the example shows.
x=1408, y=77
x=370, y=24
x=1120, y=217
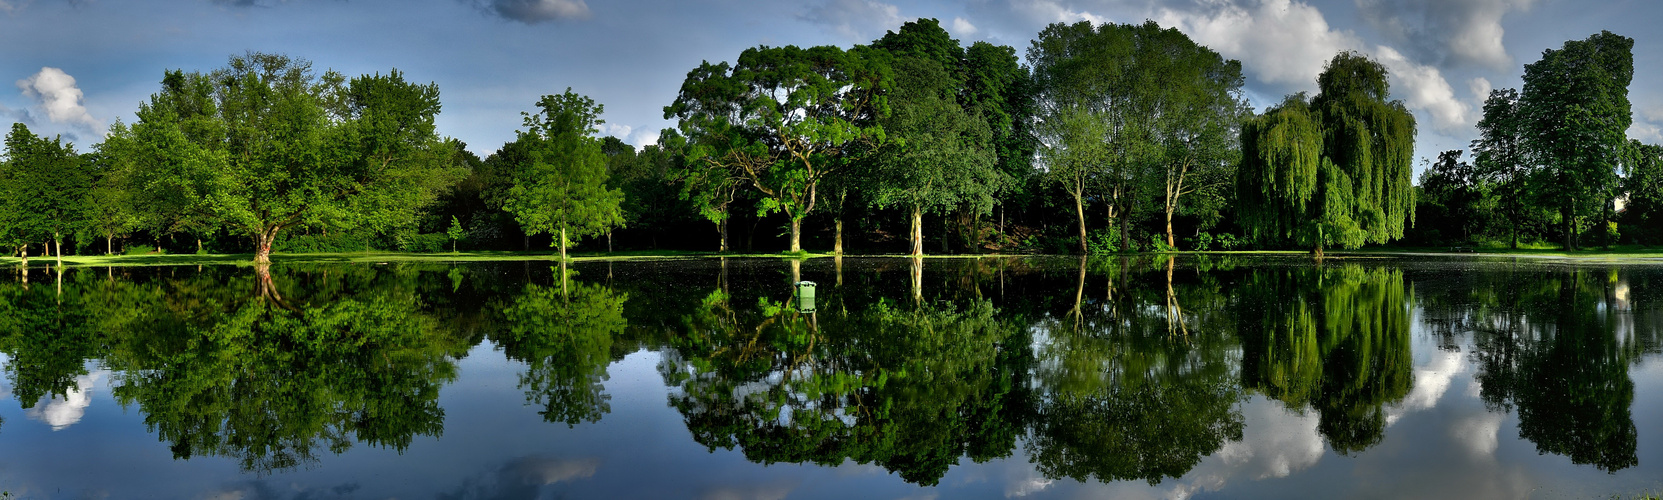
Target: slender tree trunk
x=722, y=235
x=917, y=231
x=1079, y=296
x=109, y=244
x=199, y=245
x=837, y=245
x=58, y=241
x=609, y=241
x=562, y=247
x=1169, y=241
x=23, y=253
x=1080, y=214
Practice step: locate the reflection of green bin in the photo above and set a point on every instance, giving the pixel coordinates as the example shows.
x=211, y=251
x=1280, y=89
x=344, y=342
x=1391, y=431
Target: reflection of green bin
x=805, y=296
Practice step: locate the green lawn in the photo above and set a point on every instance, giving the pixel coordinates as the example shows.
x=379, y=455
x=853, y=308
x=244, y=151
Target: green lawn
x=1619, y=253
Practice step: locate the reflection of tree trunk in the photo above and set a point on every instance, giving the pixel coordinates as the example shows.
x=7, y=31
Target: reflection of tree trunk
x=60, y=277
x=722, y=278
x=563, y=277
x=266, y=288
x=23, y=273
x=1079, y=296
x=1174, y=313
x=796, y=271
x=917, y=280
x=839, y=262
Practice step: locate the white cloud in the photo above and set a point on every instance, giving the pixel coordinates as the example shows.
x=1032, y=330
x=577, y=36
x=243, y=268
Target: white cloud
x=534, y=11
x=856, y=20
x=1462, y=31
x=1424, y=87
x=962, y=27
x=62, y=413
x=774, y=491
x=1288, y=42
x=1281, y=41
x=1431, y=382
x=1480, y=88
x=1479, y=432
x=1048, y=11
x=54, y=92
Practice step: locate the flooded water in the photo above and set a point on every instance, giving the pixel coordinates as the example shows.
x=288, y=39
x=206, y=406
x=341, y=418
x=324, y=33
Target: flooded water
x=1145, y=377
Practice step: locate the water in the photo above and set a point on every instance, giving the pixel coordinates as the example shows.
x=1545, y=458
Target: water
x=1037, y=378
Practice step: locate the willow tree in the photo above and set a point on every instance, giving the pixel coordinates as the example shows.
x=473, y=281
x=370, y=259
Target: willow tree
x=782, y=118
x=1576, y=115
x=1333, y=170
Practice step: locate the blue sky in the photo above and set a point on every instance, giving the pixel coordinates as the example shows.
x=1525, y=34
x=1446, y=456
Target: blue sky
x=79, y=65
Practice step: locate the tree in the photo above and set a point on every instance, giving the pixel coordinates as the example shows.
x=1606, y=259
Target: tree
x=782, y=119
x=455, y=232
x=1499, y=157
x=1462, y=193
x=1643, y=183
x=938, y=156
x=46, y=187
x=1575, y=113
x=561, y=183
x=1333, y=170
x=264, y=145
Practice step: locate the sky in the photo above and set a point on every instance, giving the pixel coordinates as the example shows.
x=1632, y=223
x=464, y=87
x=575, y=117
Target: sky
x=81, y=65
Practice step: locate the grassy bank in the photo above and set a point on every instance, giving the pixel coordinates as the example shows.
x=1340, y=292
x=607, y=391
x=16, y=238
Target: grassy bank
x=1616, y=254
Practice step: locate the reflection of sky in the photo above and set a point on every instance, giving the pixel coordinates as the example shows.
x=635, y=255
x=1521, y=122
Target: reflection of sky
x=1441, y=442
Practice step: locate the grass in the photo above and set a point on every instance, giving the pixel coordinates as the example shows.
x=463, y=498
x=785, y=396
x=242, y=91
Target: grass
x=1618, y=253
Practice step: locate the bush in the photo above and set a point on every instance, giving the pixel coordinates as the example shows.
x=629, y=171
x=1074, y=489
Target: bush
x=317, y=243
x=424, y=243
x=1157, y=243
x=1104, y=242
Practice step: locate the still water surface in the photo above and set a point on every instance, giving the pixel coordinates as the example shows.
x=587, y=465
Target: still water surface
x=1144, y=377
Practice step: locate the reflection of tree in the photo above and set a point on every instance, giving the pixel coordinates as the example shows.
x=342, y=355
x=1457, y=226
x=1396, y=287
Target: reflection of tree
x=565, y=338
x=1333, y=339
x=1124, y=393
x=350, y=356
x=1550, y=349
x=910, y=389
x=47, y=335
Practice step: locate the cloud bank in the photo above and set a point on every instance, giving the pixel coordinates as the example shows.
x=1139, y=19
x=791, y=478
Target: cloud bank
x=1453, y=31
x=534, y=11
x=857, y=20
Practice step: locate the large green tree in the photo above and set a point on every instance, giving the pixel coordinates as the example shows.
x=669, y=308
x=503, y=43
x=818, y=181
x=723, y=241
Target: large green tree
x=1499, y=157
x=1575, y=116
x=939, y=156
x=1331, y=170
x=265, y=144
x=45, y=189
x=782, y=119
x=560, y=185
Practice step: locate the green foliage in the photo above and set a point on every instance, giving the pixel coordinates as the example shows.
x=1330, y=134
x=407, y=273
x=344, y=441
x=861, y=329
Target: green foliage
x=423, y=243
x=338, y=242
x=264, y=145
x=1331, y=171
x=560, y=173
x=44, y=189
x=1575, y=116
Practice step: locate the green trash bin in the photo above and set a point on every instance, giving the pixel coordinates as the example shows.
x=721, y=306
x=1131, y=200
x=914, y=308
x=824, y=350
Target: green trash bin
x=805, y=296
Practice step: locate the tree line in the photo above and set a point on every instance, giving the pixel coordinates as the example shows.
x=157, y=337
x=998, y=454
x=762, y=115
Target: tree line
x=1109, y=138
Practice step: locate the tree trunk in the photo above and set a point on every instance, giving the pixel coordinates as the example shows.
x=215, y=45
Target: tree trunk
x=722, y=235
x=562, y=246
x=1169, y=241
x=58, y=249
x=262, y=246
x=609, y=241
x=1080, y=213
x=199, y=245
x=796, y=234
x=837, y=245
x=917, y=232
x=23, y=253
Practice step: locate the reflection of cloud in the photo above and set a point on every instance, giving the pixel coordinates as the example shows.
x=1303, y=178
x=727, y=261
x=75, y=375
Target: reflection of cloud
x=1027, y=486
x=774, y=491
x=262, y=490
x=62, y=413
x=1275, y=442
x=524, y=477
x=1431, y=382
x=1478, y=432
